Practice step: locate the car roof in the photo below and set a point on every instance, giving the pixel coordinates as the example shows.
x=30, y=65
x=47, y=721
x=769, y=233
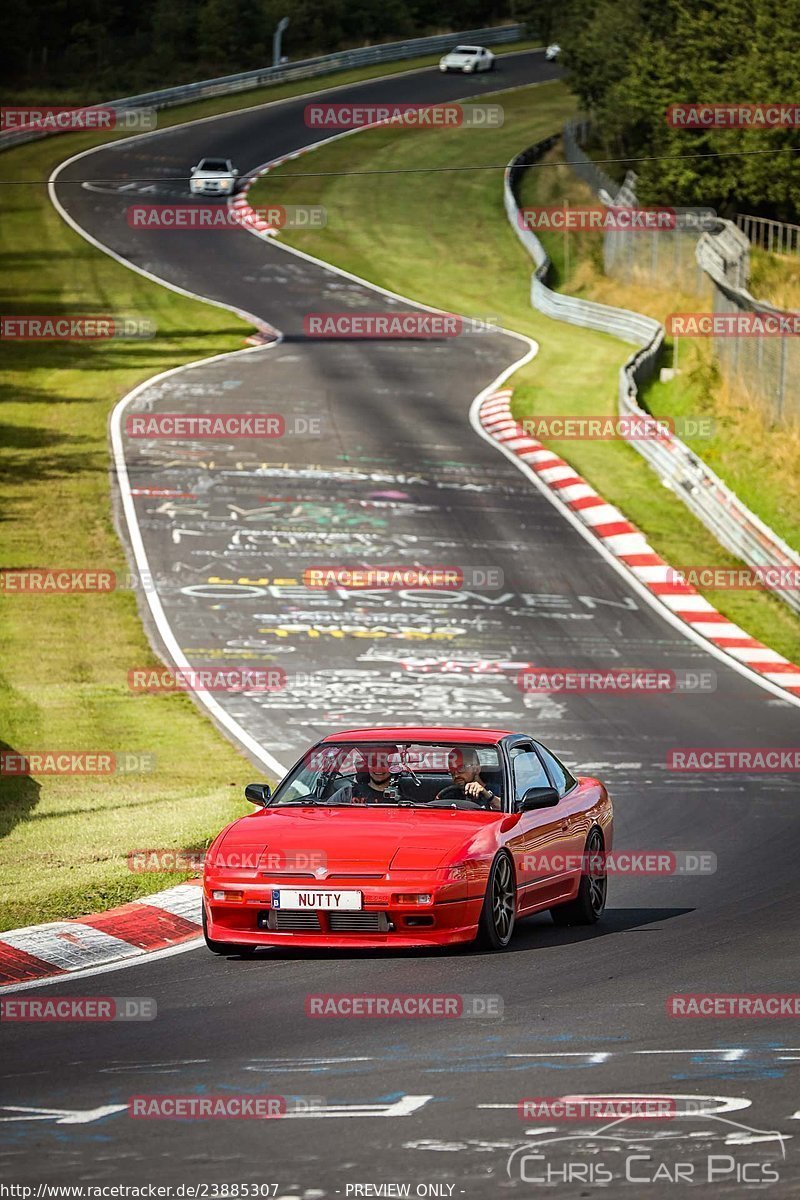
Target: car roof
x=471, y=49
x=420, y=733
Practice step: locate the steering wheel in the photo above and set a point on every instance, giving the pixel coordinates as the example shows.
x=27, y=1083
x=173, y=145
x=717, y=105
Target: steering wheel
x=343, y=793
x=453, y=796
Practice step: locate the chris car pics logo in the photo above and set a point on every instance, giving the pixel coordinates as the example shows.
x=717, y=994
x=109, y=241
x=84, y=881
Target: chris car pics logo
x=707, y=1147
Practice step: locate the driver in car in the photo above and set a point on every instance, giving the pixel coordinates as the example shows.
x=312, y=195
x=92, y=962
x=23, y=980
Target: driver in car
x=465, y=770
x=381, y=786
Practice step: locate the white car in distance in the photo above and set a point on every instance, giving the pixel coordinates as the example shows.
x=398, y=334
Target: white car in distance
x=213, y=177
x=467, y=59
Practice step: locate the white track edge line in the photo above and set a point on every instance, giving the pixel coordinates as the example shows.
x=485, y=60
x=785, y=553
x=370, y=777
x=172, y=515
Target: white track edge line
x=120, y=964
x=635, y=584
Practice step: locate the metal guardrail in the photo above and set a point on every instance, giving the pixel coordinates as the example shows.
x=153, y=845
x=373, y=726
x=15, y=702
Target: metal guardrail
x=631, y=326
x=732, y=523
x=307, y=68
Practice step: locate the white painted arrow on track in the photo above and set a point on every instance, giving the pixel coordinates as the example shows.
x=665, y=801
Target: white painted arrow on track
x=403, y=1107
x=400, y=1108
x=62, y=1116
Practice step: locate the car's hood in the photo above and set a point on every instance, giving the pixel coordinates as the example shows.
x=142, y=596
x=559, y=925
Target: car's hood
x=341, y=840
x=453, y=57
x=212, y=175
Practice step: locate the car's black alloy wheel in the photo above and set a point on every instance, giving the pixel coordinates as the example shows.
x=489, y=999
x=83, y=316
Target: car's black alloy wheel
x=588, y=905
x=499, y=911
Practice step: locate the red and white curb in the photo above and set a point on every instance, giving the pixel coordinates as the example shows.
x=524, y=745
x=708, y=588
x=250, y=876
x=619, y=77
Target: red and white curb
x=153, y=923
x=242, y=210
x=629, y=545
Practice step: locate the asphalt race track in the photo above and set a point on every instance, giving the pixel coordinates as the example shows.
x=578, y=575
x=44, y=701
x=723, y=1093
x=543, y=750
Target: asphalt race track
x=398, y=474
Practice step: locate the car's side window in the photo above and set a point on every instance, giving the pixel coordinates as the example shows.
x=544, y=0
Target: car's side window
x=527, y=771
x=562, y=780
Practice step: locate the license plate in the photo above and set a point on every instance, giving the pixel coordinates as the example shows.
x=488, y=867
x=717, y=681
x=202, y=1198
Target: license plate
x=315, y=899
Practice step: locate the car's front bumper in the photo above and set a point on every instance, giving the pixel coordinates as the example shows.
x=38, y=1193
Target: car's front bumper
x=383, y=921
x=199, y=188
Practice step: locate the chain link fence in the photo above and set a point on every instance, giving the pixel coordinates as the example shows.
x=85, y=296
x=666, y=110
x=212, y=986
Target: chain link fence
x=715, y=267
x=734, y=525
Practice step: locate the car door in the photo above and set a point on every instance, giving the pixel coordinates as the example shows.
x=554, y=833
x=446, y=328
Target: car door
x=572, y=808
x=537, y=839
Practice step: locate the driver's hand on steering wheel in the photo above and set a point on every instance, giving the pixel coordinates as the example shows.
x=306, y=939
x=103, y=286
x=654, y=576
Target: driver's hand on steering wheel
x=476, y=791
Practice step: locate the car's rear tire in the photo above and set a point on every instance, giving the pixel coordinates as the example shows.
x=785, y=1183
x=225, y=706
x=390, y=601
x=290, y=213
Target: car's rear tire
x=498, y=915
x=587, y=907
x=223, y=948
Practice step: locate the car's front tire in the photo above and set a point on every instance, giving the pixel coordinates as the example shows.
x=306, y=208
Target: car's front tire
x=587, y=907
x=498, y=915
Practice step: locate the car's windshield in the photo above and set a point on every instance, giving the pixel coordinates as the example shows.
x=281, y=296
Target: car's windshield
x=213, y=164
x=466, y=50
x=392, y=773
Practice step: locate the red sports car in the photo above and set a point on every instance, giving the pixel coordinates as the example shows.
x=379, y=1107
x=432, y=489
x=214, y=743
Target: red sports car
x=409, y=837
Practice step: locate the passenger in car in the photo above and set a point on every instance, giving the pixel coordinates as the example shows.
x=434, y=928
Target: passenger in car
x=375, y=783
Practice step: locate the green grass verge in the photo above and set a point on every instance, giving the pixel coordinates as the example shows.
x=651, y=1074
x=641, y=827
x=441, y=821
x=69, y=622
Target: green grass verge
x=775, y=277
x=442, y=238
x=65, y=658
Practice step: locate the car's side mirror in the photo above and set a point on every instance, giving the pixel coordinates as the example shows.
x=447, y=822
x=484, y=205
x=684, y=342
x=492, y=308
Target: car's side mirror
x=234, y=171
x=539, y=797
x=258, y=793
